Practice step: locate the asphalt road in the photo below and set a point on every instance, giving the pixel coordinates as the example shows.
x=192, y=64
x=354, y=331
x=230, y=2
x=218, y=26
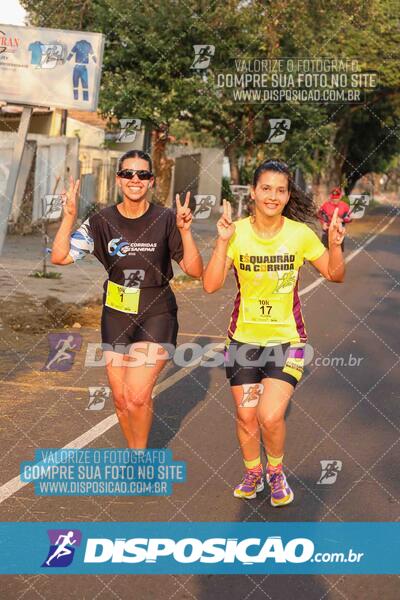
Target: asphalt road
x=341, y=411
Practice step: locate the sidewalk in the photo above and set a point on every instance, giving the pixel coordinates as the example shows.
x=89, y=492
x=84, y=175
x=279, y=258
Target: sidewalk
x=79, y=282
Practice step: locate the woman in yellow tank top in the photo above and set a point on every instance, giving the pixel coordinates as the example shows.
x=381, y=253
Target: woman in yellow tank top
x=264, y=354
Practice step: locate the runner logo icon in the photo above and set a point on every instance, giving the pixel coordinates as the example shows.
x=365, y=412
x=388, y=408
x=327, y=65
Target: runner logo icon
x=358, y=205
x=203, y=54
x=278, y=130
x=63, y=347
x=62, y=547
x=97, y=397
x=204, y=203
x=129, y=129
x=133, y=277
x=251, y=394
x=329, y=471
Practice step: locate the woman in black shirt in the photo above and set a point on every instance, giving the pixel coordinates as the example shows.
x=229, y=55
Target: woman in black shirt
x=135, y=241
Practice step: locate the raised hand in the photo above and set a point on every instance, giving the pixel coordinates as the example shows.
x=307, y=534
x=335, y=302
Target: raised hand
x=225, y=227
x=184, y=215
x=336, y=231
x=69, y=198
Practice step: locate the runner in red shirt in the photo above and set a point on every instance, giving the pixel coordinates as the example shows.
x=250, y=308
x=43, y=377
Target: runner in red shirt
x=326, y=211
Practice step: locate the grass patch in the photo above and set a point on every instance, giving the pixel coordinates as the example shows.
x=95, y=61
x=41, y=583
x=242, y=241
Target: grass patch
x=48, y=275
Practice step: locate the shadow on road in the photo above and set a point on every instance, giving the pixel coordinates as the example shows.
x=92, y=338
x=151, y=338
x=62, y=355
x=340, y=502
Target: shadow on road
x=173, y=406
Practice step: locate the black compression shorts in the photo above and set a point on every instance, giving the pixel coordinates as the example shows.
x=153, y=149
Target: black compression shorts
x=247, y=363
x=119, y=329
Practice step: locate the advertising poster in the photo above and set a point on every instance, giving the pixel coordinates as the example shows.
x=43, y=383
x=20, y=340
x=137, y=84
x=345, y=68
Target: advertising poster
x=199, y=336
x=50, y=67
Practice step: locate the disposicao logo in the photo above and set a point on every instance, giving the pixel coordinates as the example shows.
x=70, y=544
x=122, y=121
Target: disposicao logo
x=190, y=550
x=62, y=547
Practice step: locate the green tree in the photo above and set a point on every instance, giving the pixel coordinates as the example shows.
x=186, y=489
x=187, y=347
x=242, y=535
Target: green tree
x=147, y=74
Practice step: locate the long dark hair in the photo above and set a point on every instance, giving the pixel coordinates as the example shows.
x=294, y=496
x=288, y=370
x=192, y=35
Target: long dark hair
x=134, y=154
x=301, y=206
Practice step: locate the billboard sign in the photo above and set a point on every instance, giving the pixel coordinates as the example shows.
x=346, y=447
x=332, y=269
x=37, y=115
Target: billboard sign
x=50, y=67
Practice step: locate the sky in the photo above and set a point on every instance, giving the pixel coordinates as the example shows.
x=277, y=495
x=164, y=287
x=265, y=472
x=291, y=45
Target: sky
x=12, y=13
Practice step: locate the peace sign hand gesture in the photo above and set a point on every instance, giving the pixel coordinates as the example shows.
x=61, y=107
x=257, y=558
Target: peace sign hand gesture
x=69, y=198
x=184, y=215
x=225, y=227
x=336, y=230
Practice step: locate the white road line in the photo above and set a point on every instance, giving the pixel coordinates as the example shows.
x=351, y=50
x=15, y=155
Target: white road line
x=348, y=258
x=202, y=334
x=15, y=484
x=12, y=486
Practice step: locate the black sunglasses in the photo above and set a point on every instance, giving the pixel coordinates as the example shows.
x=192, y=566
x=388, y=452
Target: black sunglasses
x=130, y=174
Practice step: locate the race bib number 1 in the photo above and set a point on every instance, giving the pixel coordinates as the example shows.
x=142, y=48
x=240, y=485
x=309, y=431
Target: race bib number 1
x=124, y=299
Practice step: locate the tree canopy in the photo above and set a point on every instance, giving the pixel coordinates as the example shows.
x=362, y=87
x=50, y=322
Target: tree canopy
x=147, y=73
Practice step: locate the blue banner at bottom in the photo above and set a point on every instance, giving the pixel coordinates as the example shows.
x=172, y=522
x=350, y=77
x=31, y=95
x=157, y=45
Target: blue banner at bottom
x=199, y=548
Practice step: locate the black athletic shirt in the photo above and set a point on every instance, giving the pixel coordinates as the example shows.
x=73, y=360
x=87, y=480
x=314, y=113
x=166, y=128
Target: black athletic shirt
x=135, y=252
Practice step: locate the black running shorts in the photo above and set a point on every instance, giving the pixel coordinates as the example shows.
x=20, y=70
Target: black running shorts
x=119, y=329
x=247, y=363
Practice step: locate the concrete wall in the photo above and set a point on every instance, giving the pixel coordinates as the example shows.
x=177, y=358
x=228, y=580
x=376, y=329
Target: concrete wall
x=59, y=157
x=55, y=157
x=210, y=169
x=40, y=123
x=103, y=162
x=88, y=135
x=6, y=147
